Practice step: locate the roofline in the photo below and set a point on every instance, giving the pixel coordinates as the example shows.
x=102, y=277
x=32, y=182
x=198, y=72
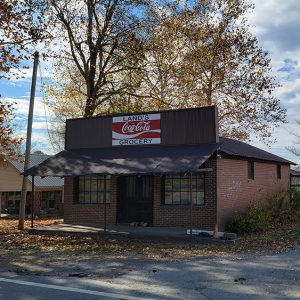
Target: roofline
x=141, y=113
x=240, y=157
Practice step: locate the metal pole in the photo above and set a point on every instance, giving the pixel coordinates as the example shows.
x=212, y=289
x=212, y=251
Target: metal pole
x=28, y=143
x=32, y=200
x=191, y=201
x=105, y=213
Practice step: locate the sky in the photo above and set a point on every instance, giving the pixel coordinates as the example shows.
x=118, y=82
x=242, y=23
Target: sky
x=276, y=25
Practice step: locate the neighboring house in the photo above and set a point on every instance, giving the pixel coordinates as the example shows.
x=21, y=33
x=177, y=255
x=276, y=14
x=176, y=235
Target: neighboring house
x=48, y=190
x=166, y=168
x=295, y=178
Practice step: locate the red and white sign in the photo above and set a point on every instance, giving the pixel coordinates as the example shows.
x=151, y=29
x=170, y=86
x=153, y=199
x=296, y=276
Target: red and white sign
x=136, y=130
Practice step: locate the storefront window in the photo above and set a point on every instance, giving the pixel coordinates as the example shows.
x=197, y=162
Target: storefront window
x=93, y=189
x=176, y=189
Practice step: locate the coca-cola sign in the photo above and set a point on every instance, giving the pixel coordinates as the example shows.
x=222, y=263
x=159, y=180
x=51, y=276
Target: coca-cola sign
x=136, y=130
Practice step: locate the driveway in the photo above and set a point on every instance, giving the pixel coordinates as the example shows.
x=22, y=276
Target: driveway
x=236, y=276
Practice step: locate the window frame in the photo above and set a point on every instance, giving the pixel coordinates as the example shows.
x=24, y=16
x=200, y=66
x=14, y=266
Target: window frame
x=84, y=196
x=182, y=177
x=251, y=170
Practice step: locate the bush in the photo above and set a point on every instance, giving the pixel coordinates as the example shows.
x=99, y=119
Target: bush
x=255, y=219
x=258, y=217
x=295, y=198
x=279, y=205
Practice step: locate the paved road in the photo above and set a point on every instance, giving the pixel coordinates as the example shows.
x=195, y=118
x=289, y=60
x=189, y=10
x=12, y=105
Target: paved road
x=232, y=277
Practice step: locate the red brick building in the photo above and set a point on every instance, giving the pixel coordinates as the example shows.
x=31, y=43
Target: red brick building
x=167, y=168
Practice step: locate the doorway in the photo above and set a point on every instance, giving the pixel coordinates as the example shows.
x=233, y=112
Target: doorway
x=135, y=199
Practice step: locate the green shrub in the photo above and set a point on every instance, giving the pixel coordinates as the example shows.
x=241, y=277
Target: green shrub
x=258, y=217
x=295, y=198
x=255, y=219
x=279, y=205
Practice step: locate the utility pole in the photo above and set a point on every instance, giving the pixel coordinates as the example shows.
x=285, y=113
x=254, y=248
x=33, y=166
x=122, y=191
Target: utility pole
x=28, y=144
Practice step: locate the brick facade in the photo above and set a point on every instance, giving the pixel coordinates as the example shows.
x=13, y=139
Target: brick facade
x=88, y=214
x=179, y=215
x=236, y=191
x=163, y=215
x=227, y=190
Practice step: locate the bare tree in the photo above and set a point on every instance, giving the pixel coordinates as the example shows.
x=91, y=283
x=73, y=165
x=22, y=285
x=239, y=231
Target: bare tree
x=294, y=149
x=102, y=40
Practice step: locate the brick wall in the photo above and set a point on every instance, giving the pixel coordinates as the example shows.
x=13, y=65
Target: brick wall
x=204, y=217
x=88, y=214
x=163, y=215
x=236, y=192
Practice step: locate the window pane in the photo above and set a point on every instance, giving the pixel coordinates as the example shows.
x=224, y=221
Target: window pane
x=100, y=197
x=81, y=197
x=168, y=198
x=168, y=184
x=10, y=204
x=108, y=183
x=176, y=184
x=200, y=198
x=194, y=183
x=81, y=184
x=87, y=184
x=51, y=203
x=194, y=197
x=107, y=197
x=100, y=184
x=94, y=185
x=185, y=198
x=185, y=183
x=94, y=197
x=176, y=197
x=87, y=197
x=18, y=196
x=200, y=183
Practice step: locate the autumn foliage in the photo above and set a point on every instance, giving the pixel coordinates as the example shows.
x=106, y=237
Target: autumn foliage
x=8, y=143
x=180, y=54
x=19, y=30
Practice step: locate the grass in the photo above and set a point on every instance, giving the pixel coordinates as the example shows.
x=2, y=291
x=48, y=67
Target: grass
x=18, y=245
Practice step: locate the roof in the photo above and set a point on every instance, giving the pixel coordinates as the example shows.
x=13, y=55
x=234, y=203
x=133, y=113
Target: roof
x=155, y=159
x=240, y=149
x=295, y=173
x=127, y=160
x=36, y=159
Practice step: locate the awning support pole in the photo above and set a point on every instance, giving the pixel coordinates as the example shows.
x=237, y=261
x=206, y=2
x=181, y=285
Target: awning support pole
x=32, y=200
x=191, y=201
x=105, y=213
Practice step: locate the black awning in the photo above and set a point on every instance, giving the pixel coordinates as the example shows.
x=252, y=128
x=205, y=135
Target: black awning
x=126, y=160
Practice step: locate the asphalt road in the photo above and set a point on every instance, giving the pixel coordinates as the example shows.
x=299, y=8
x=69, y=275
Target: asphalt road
x=274, y=276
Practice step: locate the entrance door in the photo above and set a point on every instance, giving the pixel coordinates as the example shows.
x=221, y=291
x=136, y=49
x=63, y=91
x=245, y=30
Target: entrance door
x=135, y=199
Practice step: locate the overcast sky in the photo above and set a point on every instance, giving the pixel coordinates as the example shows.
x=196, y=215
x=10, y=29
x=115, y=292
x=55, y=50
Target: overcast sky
x=277, y=26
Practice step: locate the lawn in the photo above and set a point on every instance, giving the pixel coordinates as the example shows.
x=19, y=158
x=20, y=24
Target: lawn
x=20, y=245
